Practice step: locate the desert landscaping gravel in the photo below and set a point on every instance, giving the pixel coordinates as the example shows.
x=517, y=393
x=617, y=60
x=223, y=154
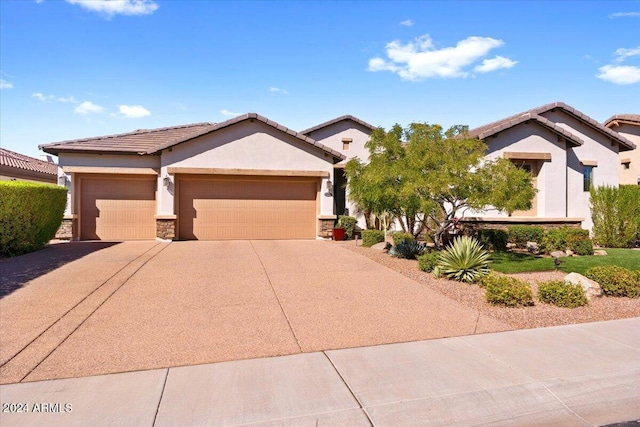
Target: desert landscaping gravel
x=539, y=315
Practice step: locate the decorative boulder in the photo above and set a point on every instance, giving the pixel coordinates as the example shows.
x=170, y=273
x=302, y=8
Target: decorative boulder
x=569, y=252
x=558, y=254
x=533, y=247
x=591, y=289
x=600, y=252
x=382, y=246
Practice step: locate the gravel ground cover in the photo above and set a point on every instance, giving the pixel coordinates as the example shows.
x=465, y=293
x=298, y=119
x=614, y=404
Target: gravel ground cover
x=540, y=315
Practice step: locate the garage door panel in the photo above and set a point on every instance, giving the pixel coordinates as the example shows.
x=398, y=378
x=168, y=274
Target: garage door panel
x=117, y=209
x=243, y=209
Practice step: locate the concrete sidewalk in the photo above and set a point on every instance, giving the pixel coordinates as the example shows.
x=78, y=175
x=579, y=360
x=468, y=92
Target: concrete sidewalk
x=587, y=374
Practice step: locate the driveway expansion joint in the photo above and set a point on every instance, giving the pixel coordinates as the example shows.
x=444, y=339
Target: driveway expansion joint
x=284, y=313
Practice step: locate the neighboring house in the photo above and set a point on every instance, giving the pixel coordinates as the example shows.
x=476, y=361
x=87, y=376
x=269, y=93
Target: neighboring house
x=18, y=167
x=245, y=178
x=566, y=151
x=628, y=125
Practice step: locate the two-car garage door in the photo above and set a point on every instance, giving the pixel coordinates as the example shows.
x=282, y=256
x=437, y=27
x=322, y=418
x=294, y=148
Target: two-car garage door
x=233, y=207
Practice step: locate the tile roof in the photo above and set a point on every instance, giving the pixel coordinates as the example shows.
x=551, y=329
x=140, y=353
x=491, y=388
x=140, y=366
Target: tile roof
x=145, y=142
x=139, y=141
x=633, y=119
x=535, y=114
x=491, y=129
x=20, y=161
x=336, y=120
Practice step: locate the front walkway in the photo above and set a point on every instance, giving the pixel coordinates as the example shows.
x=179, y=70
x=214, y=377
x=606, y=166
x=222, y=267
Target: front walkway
x=577, y=375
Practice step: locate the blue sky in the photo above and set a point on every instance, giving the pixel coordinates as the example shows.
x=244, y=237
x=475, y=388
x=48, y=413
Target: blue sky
x=77, y=68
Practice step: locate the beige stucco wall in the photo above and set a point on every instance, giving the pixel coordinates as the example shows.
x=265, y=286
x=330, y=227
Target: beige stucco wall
x=247, y=145
x=597, y=147
x=532, y=138
x=332, y=136
x=632, y=133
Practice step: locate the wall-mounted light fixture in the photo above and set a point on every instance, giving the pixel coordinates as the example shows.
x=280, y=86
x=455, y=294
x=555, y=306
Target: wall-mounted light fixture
x=167, y=181
x=329, y=188
x=63, y=180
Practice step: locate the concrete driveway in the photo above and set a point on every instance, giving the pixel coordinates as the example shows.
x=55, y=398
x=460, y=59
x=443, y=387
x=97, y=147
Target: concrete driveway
x=147, y=305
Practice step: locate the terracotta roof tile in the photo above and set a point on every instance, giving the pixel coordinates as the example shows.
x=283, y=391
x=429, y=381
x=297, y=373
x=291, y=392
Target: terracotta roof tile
x=20, y=161
x=623, y=118
x=535, y=114
x=139, y=141
x=155, y=140
x=336, y=120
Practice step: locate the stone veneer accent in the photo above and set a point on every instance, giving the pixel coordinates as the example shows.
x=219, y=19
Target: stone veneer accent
x=166, y=229
x=325, y=227
x=67, y=229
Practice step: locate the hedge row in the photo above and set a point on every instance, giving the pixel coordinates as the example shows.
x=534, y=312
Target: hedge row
x=30, y=215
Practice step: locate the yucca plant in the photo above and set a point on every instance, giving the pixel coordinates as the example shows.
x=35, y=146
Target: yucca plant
x=465, y=261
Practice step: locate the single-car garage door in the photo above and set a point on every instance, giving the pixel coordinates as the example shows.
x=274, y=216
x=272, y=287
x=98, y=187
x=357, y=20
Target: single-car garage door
x=212, y=208
x=121, y=208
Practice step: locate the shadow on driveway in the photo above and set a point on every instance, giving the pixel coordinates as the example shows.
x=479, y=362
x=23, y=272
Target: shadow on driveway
x=21, y=269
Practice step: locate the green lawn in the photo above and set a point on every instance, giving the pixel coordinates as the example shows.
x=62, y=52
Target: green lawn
x=509, y=262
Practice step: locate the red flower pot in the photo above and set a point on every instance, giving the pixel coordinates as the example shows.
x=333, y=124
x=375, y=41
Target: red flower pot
x=338, y=234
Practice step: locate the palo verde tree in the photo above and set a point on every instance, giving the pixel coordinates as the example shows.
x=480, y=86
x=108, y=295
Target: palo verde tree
x=427, y=177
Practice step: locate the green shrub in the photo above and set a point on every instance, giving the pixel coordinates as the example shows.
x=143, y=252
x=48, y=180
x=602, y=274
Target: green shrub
x=30, y=215
x=428, y=261
x=581, y=246
x=465, y=261
x=349, y=225
x=562, y=294
x=507, y=291
x=615, y=281
x=400, y=236
x=409, y=249
x=371, y=237
x=519, y=235
x=615, y=212
x=493, y=239
x=555, y=240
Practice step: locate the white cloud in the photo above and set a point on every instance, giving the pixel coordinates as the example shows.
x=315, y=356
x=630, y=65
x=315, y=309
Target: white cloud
x=118, y=7
x=624, y=15
x=226, y=112
x=619, y=74
x=88, y=107
x=419, y=59
x=39, y=1
x=494, y=64
x=407, y=23
x=278, y=90
x=5, y=84
x=134, y=111
x=42, y=97
x=70, y=99
x=623, y=53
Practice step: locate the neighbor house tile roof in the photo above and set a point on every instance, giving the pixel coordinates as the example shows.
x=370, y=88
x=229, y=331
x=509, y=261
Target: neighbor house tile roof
x=15, y=160
x=153, y=141
x=535, y=114
x=623, y=118
x=337, y=120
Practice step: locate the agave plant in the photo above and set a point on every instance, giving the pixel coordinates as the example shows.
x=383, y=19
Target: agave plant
x=409, y=249
x=465, y=261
